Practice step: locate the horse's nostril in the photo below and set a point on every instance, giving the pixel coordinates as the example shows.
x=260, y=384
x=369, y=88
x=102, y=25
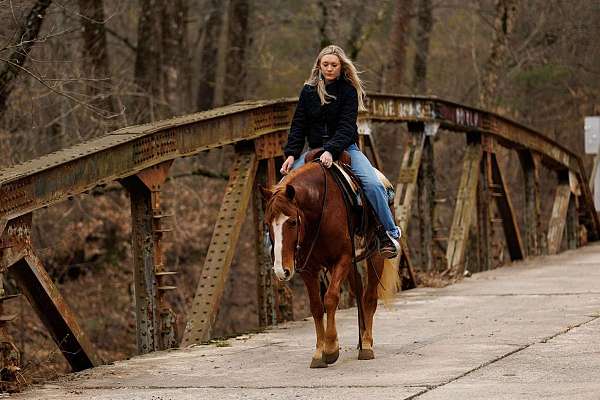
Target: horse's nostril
x=286, y=273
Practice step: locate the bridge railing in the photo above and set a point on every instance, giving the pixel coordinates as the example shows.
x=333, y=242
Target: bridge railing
x=139, y=157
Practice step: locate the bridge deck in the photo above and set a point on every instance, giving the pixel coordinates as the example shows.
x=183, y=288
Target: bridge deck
x=525, y=331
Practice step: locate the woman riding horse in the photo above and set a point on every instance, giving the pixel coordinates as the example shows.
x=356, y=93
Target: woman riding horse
x=326, y=116
x=307, y=216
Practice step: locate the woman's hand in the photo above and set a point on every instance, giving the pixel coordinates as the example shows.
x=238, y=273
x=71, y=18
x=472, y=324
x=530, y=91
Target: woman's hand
x=326, y=159
x=287, y=165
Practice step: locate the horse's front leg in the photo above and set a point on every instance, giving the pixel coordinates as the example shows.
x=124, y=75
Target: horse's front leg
x=331, y=350
x=311, y=281
x=375, y=265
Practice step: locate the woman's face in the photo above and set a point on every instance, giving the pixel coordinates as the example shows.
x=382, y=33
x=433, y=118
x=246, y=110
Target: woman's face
x=330, y=67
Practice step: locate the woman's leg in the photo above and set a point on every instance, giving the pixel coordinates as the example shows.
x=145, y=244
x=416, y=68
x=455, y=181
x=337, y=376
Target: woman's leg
x=374, y=190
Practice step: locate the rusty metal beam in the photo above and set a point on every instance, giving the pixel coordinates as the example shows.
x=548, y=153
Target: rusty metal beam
x=221, y=250
x=57, y=176
x=15, y=241
x=408, y=175
x=505, y=207
x=270, y=145
x=407, y=275
x=54, y=312
x=462, y=118
x=573, y=223
x=465, y=204
x=366, y=140
x=533, y=232
x=264, y=274
x=457, y=117
x=556, y=225
x=587, y=211
x=426, y=196
x=155, y=320
x=10, y=357
x=484, y=203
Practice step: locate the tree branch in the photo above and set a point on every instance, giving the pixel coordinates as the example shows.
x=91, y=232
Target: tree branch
x=27, y=37
x=123, y=39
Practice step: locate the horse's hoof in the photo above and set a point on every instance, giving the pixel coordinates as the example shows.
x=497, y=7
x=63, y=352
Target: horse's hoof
x=331, y=358
x=318, y=363
x=366, y=354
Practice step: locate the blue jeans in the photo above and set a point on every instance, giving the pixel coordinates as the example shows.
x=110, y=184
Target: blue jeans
x=374, y=190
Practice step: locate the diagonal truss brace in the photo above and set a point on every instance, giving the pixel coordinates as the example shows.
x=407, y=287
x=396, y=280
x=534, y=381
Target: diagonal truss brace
x=17, y=256
x=511, y=229
x=560, y=209
x=465, y=203
x=407, y=178
x=209, y=291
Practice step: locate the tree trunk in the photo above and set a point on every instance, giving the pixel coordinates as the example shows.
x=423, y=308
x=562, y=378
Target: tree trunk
x=94, y=52
x=504, y=21
x=361, y=30
x=424, y=26
x=403, y=10
x=237, y=43
x=27, y=36
x=174, y=48
x=330, y=23
x=148, y=76
x=209, y=57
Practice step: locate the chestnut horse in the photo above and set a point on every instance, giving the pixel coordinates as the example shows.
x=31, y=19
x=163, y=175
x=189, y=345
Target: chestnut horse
x=308, y=225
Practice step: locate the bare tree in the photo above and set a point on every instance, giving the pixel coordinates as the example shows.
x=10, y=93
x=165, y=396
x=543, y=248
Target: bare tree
x=148, y=76
x=94, y=52
x=209, y=56
x=174, y=48
x=362, y=29
x=27, y=38
x=237, y=43
x=403, y=12
x=424, y=26
x=331, y=22
x=504, y=22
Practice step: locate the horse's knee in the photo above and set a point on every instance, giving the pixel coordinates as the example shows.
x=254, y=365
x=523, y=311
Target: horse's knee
x=371, y=299
x=331, y=300
x=317, y=310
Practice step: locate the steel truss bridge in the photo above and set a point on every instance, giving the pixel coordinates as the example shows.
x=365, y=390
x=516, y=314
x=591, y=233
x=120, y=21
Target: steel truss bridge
x=139, y=158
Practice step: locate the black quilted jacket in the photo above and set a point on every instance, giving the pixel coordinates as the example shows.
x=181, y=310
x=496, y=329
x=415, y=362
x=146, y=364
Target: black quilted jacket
x=331, y=126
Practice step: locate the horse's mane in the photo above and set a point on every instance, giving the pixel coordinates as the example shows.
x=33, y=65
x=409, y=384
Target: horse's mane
x=279, y=202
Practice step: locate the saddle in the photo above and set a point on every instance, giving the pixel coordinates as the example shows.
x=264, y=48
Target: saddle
x=351, y=188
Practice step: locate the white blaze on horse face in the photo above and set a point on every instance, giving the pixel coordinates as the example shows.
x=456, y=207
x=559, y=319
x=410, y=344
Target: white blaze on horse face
x=278, y=246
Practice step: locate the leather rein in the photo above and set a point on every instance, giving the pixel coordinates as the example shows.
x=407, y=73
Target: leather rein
x=314, y=241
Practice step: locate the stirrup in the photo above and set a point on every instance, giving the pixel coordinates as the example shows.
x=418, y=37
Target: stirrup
x=389, y=246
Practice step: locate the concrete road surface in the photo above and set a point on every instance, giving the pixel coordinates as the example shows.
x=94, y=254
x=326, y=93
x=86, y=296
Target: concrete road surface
x=526, y=331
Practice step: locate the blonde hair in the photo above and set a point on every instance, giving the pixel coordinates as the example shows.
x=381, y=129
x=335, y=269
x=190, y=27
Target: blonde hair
x=349, y=72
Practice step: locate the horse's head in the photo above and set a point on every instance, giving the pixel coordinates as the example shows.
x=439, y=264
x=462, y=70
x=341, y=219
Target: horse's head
x=284, y=218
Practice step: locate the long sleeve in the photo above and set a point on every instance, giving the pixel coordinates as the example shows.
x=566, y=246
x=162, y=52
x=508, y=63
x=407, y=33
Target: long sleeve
x=297, y=135
x=345, y=133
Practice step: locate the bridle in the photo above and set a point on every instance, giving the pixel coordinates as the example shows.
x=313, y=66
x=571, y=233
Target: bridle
x=299, y=224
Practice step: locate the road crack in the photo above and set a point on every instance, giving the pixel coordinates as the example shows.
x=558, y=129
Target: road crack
x=510, y=353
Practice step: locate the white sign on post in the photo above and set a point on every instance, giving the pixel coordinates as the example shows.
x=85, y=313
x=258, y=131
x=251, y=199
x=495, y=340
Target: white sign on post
x=592, y=145
x=592, y=134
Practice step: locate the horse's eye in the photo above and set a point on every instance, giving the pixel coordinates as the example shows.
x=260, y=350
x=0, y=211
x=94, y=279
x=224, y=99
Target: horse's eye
x=292, y=222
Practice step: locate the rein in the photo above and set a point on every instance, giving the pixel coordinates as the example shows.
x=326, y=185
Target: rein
x=314, y=241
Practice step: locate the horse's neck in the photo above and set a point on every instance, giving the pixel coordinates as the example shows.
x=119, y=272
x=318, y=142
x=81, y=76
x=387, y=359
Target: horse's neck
x=310, y=187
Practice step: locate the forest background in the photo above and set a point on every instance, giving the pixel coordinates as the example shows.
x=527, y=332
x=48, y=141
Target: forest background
x=72, y=70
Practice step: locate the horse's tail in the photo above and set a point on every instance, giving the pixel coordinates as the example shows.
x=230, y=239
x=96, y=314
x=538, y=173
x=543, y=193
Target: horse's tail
x=390, y=281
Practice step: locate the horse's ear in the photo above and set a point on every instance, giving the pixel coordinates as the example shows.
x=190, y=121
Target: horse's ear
x=290, y=192
x=267, y=193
